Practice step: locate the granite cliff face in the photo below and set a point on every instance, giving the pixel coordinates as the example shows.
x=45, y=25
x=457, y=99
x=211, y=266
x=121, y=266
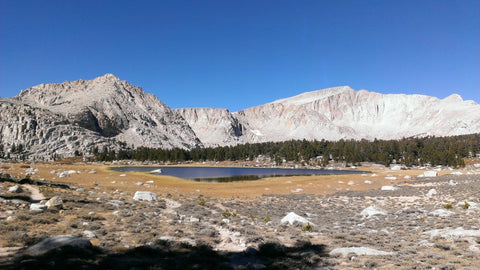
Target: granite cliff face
x=60, y=119
x=214, y=127
x=105, y=108
x=113, y=108
x=42, y=134
x=342, y=113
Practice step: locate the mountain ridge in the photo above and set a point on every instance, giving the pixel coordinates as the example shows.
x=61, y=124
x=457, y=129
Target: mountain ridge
x=107, y=109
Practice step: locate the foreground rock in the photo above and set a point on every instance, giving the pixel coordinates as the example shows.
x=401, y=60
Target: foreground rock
x=57, y=242
x=15, y=189
x=291, y=218
x=359, y=251
x=145, y=196
x=394, y=229
x=54, y=203
x=37, y=207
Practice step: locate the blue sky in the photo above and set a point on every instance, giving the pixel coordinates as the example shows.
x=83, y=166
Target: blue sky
x=237, y=54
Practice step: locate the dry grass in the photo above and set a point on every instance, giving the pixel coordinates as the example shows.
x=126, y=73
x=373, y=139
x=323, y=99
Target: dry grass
x=105, y=178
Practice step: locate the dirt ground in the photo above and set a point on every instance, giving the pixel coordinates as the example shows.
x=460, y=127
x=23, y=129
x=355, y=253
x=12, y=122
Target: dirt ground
x=90, y=175
x=381, y=219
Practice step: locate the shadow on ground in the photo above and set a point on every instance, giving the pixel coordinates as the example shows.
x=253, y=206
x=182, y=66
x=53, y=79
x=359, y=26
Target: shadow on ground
x=173, y=255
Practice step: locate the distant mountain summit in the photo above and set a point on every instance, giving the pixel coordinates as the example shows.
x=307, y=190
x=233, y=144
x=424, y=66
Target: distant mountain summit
x=50, y=119
x=105, y=107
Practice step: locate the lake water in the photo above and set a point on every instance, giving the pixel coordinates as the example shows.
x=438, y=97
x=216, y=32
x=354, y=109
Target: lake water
x=228, y=174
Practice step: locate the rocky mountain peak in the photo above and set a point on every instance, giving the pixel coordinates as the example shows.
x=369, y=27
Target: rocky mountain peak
x=312, y=96
x=106, y=109
x=111, y=108
x=109, y=77
x=454, y=98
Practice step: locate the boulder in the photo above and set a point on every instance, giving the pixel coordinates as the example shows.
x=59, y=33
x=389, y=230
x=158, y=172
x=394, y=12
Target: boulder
x=54, y=203
x=292, y=217
x=429, y=174
x=396, y=168
x=63, y=174
x=390, y=188
x=360, y=251
x=37, y=207
x=372, y=211
x=15, y=189
x=89, y=234
x=145, y=196
x=441, y=213
x=4, y=175
x=57, y=242
x=431, y=192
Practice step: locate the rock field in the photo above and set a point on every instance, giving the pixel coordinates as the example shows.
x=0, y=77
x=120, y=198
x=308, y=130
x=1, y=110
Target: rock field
x=425, y=223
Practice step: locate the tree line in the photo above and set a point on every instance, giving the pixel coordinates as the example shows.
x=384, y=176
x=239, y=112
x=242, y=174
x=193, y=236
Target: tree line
x=448, y=151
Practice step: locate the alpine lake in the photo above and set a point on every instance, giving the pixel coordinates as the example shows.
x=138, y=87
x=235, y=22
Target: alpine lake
x=228, y=174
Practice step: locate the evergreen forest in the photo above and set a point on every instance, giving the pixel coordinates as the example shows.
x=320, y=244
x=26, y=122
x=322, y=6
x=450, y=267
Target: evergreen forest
x=447, y=151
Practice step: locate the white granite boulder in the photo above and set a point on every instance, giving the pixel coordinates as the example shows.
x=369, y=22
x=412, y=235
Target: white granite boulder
x=145, y=196
x=372, y=211
x=429, y=174
x=37, y=207
x=54, y=203
x=292, y=218
x=15, y=189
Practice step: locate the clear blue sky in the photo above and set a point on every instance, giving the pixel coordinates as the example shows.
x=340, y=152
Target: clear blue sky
x=237, y=54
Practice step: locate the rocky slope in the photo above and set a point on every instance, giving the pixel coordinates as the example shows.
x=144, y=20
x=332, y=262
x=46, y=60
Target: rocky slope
x=341, y=113
x=213, y=127
x=105, y=107
x=43, y=134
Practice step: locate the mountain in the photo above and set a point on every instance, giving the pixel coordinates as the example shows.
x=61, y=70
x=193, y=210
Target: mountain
x=213, y=127
x=43, y=133
x=339, y=113
x=59, y=119
x=105, y=107
x=342, y=113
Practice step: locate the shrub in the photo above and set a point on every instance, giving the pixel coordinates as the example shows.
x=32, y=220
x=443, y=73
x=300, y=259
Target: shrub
x=466, y=205
x=448, y=206
x=307, y=227
x=226, y=214
x=201, y=201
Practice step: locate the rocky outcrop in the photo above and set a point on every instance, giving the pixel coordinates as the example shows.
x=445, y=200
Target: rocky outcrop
x=113, y=108
x=29, y=132
x=337, y=113
x=213, y=127
x=60, y=119
x=342, y=113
